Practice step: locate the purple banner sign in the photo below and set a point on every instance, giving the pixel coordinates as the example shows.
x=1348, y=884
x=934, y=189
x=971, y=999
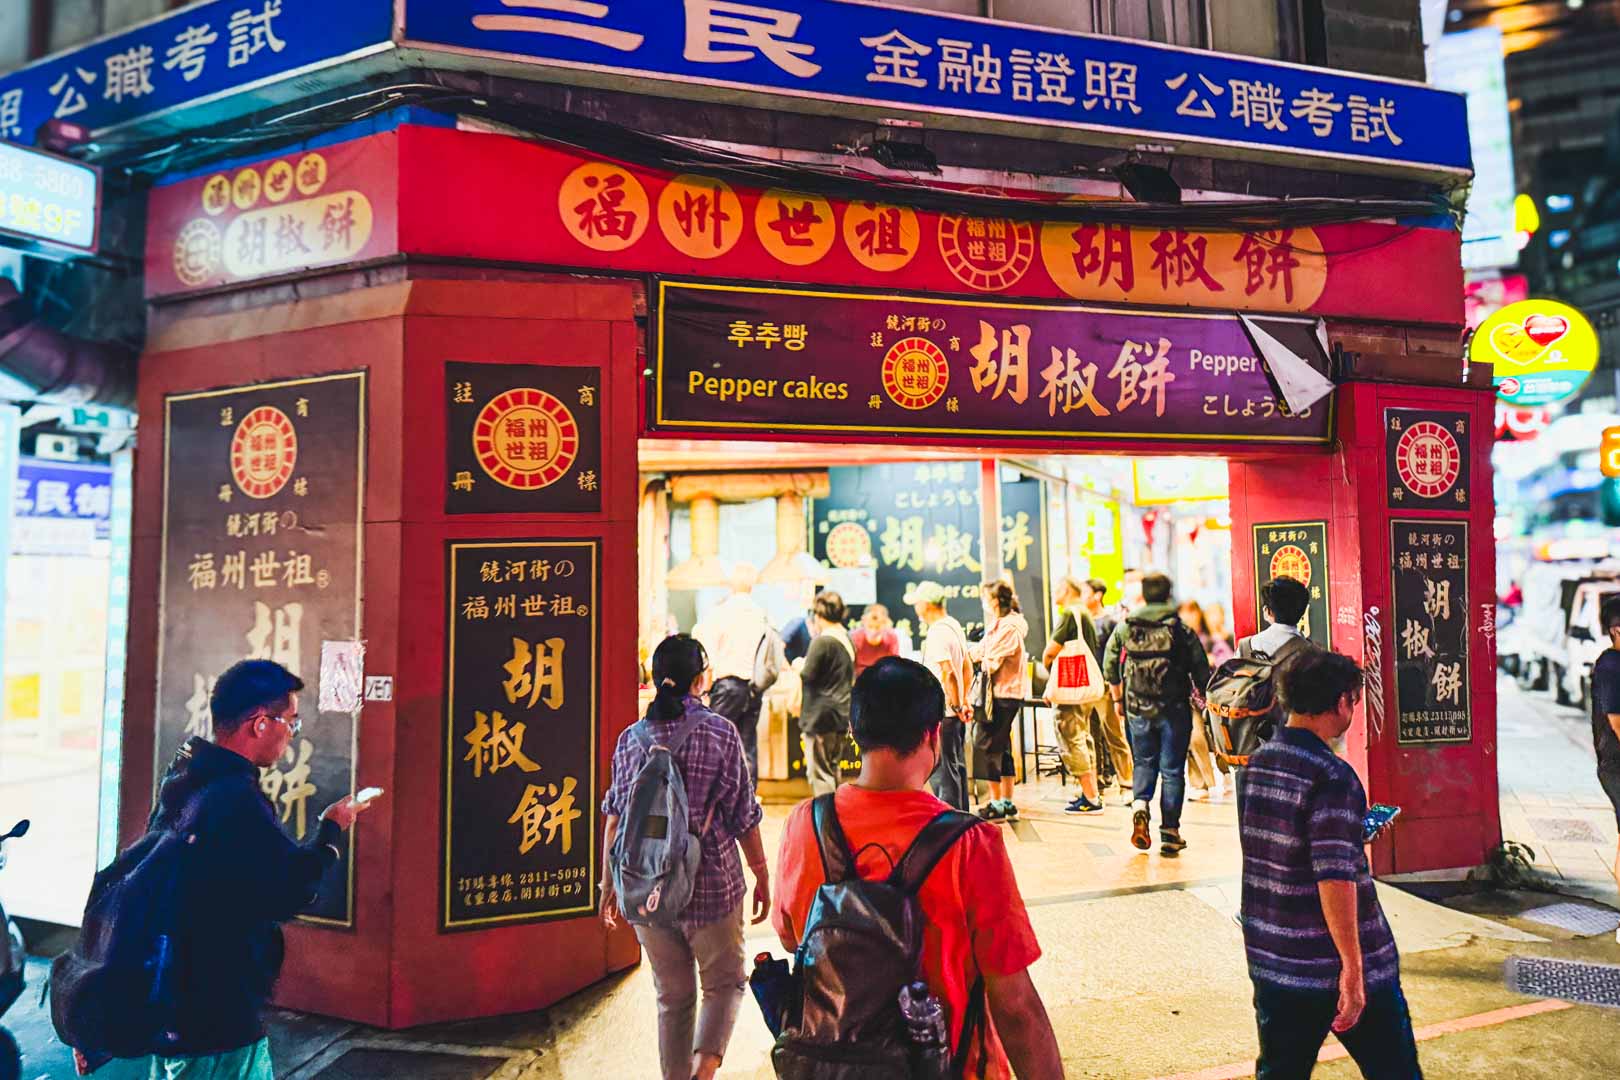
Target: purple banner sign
x=732, y=358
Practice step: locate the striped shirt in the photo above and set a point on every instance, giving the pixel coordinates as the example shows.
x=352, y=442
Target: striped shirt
x=1300, y=809
x=717, y=791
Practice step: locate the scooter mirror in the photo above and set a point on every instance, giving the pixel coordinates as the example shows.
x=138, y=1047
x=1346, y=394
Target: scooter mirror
x=18, y=830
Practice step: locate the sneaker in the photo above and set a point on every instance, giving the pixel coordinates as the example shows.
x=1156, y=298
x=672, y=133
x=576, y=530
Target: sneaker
x=991, y=811
x=1171, y=843
x=1083, y=805
x=1009, y=812
x=1141, y=835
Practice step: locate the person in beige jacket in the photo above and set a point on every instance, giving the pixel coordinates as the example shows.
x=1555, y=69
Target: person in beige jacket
x=1000, y=654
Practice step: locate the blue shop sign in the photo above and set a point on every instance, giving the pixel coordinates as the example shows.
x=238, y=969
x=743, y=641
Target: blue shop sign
x=908, y=61
x=48, y=198
x=187, y=57
x=64, y=492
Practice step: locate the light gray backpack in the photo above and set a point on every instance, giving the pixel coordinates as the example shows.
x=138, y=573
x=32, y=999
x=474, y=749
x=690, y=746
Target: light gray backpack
x=655, y=854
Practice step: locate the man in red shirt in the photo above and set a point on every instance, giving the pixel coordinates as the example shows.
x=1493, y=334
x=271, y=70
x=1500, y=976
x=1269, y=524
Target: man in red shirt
x=875, y=639
x=975, y=918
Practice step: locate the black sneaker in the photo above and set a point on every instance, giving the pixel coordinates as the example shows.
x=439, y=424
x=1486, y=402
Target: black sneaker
x=1009, y=812
x=991, y=811
x=1083, y=805
x=1171, y=843
x=1141, y=833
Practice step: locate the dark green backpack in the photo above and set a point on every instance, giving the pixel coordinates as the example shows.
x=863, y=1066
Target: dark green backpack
x=1156, y=676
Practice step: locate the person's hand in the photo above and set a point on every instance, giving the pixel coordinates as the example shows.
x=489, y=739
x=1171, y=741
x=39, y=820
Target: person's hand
x=762, y=897
x=1352, y=1000
x=81, y=1064
x=967, y=714
x=610, y=908
x=343, y=812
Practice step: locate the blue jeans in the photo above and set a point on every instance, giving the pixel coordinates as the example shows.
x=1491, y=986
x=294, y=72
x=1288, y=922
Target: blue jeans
x=1159, y=750
x=1295, y=1023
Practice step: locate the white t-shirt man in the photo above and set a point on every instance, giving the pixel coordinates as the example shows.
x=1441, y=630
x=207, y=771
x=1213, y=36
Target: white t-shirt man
x=945, y=648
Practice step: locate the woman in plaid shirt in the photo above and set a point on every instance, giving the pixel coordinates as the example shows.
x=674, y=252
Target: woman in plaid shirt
x=707, y=945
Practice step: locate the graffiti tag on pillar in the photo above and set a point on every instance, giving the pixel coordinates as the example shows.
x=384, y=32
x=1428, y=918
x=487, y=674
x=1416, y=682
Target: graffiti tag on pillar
x=1372, y=662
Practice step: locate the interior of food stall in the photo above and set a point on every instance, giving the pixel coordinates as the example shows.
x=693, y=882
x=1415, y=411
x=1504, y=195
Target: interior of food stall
x=871, y=521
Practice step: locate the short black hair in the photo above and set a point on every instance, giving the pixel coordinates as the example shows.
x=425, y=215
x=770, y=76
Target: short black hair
x=1286, y=599
x=1315, y=680
x=1609, y=613
x=895, y=704
x=1098, y=586
x=830, y=606
x=1156, y=588
x=246, y=686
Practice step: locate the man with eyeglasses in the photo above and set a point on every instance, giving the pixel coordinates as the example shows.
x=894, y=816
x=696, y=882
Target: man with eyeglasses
x=246, y=877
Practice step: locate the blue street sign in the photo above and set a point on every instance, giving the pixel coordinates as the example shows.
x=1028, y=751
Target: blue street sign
x=64, y=492
x=189, y=56
x=907, y=61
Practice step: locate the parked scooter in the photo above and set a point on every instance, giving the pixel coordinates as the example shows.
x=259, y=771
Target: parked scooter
x=12, y=960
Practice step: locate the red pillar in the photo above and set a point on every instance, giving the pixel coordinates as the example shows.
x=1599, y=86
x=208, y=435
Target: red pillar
x=1447, y=792
x=394, y=967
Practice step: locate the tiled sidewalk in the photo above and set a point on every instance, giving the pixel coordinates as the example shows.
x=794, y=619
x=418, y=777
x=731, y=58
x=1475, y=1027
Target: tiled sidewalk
x=1550, y=796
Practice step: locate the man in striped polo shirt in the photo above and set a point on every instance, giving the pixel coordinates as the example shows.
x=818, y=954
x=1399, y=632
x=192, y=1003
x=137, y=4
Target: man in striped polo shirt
x=1320, y=950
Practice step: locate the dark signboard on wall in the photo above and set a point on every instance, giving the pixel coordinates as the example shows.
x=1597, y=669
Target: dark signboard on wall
x=523, y=439
x=785, y=360
x=920, y=522
x=519, y=825
x=1296, y=549
x=1431, y=630
x=1427, y=457
x=261, y=558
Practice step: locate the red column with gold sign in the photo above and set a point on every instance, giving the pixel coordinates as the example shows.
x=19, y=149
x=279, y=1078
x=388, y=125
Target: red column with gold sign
x=438, y=477
x=1406, y=582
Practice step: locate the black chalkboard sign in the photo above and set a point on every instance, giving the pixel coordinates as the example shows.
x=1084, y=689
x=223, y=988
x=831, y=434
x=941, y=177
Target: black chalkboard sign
x=520, y=821
x=261, y=558
x=1430, y=630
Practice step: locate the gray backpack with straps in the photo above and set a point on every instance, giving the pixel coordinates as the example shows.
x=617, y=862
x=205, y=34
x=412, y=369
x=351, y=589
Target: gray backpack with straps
x=655, y=854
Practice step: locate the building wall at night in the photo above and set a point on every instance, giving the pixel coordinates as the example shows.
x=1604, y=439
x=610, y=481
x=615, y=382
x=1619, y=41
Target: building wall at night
x=482, y=264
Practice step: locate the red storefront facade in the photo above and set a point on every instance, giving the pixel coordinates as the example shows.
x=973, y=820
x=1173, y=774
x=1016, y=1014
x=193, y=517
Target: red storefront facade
x=409, y=254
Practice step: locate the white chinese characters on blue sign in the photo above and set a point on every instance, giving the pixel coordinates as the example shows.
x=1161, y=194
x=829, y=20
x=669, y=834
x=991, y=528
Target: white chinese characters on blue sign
x=923, y=61
x=195, y=53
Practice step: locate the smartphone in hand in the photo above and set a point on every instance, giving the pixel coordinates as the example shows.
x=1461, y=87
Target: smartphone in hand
x=1379, y=817
x=365, y=795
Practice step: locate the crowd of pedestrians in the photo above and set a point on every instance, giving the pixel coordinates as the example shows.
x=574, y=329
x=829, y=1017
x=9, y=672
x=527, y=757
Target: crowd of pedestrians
x=912, y=944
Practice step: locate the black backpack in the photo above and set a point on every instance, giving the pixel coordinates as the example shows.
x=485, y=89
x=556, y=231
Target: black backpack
x=113, y=995
x=861, y=943
x=1155, y=664
x=1244, y=709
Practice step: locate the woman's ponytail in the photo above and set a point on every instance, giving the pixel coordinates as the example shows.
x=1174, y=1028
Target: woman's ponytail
x=676, y=665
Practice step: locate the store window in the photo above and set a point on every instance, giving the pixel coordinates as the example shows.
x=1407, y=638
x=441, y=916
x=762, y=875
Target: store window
x=58, y=584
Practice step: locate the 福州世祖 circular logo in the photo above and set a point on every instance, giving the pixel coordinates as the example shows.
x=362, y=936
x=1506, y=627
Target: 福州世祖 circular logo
x=987, y=254
x=197, y=252
x=849, y=545
x=264, y=451
x=1290, y=560
x=525, y=439
x=1428, y=459
x=915, y=373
